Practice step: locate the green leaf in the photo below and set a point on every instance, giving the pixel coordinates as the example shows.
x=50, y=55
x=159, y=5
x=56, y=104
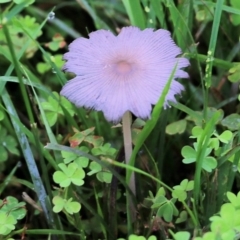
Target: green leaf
x=233, y=198
x=226, y=136
x=71, y=173
x=95, y=168
x=180, y=194
x=96, y=141
x=54, y=46
x=227, y=222
x=12, y=207
x=160, y=199
x=59, y=204
x=189, y=154
x=166, y=211
x=54, y=107
x=60, y=178
x=105, y=176
x=232, y=121
x=176, y=127
x=52, y=118
x=43, y=67
x=172, y=203
x=57, y=59
x=197, y=131
x=11, y=145
x=152, y=238
x=69, y=205
x=182, y=217
x=159, y=202
x=68, y=156
x=190, y=185
x=135, y=237
x=72, y=207
x=203, y=15
x=79, y=137
x=105, y=150
x=80, y=161
x=77, y=177
x=182, y=236
x=184, y=183
x=160, y=192
x=209, y=163
x=208, y=236
x=7, y=142
x=7, y=223
x=214, y=143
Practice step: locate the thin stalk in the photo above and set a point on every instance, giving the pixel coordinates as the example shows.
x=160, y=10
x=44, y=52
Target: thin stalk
x=127, y=141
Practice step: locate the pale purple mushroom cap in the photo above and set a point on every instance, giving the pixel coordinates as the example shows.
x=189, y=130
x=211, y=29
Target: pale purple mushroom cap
x=127, y=72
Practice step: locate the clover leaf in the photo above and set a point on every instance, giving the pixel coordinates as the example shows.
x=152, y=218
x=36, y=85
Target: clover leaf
x=9, y=143
x=11, y=206
x=180, y=191
x=182, y=235
x=226, y=136
x=232, y=121
x=168, y=210
x=103, y=175
x=71, y=173
x=69, y=205
x=207, y=236
x=177, y=127
x=73, y=157
x=7, y=223
x=29, y=23
x=158, y=201
x=227, y=222
x=86, y=136
x=182, y=217
x=54, y=107
x=135, y=237
x=19, y=36
x=43, y=67
x=214, y=143
x=56, y=43
x=234, y=199
x=105, y=150
x=190, y=156
x=165, y=208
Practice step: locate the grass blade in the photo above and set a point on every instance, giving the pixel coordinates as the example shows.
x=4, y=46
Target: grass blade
x=28, y=155
x=135, y=13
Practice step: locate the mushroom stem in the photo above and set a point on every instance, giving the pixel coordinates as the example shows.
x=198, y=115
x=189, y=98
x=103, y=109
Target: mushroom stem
x=127, y=139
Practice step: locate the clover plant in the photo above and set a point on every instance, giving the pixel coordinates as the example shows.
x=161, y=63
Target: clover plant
x=10, y=211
